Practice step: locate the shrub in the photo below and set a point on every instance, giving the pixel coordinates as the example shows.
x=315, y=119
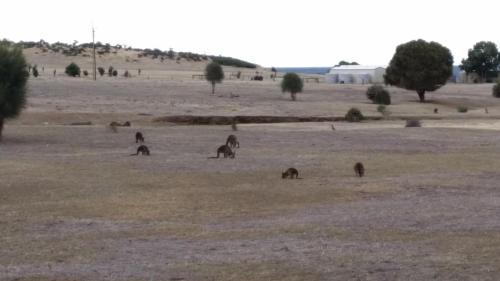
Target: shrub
x=72, y=70
x=35, y=71
x=382, y=109
x=354, y=115
x=496, y=90
x=378, y=95
x=101, y=71
x=86, y=73
x=115, y=72
x=462, y=109
x=413, y=123
x=127, y=74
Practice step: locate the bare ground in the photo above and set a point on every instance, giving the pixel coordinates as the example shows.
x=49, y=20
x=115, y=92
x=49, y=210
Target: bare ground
x=75, y=206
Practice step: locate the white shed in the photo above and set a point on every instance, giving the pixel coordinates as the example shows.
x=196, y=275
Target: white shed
x=356, y=74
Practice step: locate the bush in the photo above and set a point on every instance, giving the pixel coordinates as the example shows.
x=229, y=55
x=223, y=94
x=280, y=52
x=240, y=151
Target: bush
x=378, y=95
x=354, y=115
x=86, y=73
x=462, y=109
x=413, y=123
x=115, y=72
x=496, y=90
x=35, y=71
x=382, y=109
x=101, y=71
x=127, y=74
x=72, y=70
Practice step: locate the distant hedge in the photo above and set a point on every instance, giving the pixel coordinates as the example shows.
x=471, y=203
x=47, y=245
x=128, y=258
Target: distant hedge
x=227, y=61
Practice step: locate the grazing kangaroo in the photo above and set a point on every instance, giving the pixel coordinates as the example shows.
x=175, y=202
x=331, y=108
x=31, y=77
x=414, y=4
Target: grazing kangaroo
x=139, y=137
x=359, y=169
x=290, y=173
x=435, y=110
x=232, y=141
x=226, y=151
x=142, y=149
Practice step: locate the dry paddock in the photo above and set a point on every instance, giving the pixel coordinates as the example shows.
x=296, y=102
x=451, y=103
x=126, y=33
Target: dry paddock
x=75, y=206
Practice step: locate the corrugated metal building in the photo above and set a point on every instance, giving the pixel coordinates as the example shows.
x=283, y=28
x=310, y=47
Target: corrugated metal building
x=356, y=74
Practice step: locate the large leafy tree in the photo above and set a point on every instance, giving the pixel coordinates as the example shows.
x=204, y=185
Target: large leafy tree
x=214, y=74
x=292, y=83
x=420, y=66
x=483, y=58
x=13, y=77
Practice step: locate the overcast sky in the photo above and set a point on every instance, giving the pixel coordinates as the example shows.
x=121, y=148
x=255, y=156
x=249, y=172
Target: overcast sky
x=266, y=32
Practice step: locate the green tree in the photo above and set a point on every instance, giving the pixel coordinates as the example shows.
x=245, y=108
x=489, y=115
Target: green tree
x=482, y=59
x=72, y=70
x=13, y=77
x=420, y=66
x=293, y=84
x=214, y=74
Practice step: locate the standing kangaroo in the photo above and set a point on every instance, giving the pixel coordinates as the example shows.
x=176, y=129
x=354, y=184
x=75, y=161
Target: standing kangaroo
x=226, y=151
x=290, y=173
x=359, y=169
x=142, y=149
x=232, y=141
x=139, y=137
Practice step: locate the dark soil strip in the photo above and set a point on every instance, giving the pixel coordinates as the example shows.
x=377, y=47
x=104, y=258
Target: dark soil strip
x=259, y=119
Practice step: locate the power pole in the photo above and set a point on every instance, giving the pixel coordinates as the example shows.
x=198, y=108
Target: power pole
x=93, y=47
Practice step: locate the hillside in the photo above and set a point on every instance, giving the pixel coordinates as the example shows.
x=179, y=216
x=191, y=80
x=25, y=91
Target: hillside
x=58, y=55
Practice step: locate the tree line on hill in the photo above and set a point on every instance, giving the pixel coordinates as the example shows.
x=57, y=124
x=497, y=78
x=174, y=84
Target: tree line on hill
x=76, y=49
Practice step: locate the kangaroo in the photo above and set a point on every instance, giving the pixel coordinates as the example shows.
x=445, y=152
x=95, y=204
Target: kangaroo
x=232, y=141
x=142, y=149
x=359, y=169
x=435, y=110
x=226, y=151
x=290, y=173
x=139, y=137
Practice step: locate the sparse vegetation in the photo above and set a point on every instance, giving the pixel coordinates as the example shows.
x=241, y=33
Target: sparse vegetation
x=13, y=77
x=214, y=74
x=354, y=115
x=292, y=83
x=420, y=66
x=413, y=123
x=85, y=73
x=72, y=70
x=115, y=73
x=462, y=109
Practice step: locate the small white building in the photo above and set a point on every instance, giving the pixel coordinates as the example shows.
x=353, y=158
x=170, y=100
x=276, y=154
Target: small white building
x=356, y=74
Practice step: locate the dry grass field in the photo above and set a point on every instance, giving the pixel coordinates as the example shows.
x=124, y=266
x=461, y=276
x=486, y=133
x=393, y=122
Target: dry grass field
x=75, y=206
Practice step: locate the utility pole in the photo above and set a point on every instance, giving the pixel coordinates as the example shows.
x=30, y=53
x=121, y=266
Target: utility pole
x=93, y=47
